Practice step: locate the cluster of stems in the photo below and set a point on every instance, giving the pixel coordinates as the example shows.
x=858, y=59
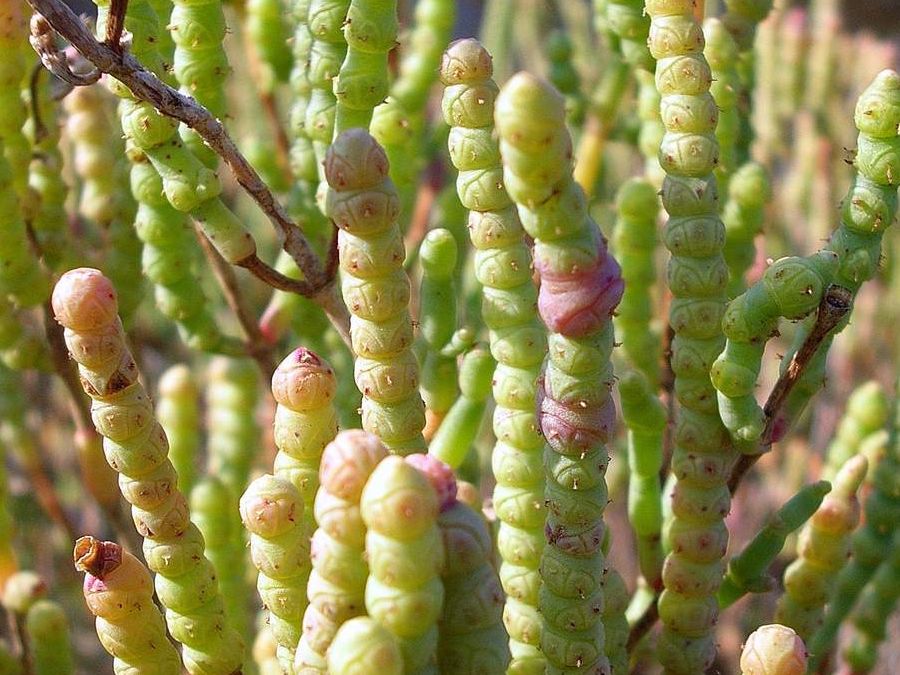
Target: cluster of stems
x=188, y=184
x=697, y=276
x=363, y=203
x=337, y=583
x=84, y=302
x=366, y=552
x=503, y=266
x=580, y=287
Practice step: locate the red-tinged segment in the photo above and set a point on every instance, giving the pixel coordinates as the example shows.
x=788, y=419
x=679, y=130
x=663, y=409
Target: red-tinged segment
x=303, y=381
x=84, y=300
x=579, y=304
x=439, y=475
x=575, y=428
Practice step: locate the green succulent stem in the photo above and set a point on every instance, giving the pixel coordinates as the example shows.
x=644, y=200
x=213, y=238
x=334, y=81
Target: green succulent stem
x=866, y=212
x=580, y=287
x=871, y=543
x=824, y=547
x=337, y=583
x=459, y=429
x=178, y=411
x=84, y=302
x=645, y=418
x=747, y=571
x=473, y=639
x=272, y=511
x=502, y=263
x=363, y=204
x=405, y=553
x=791, y=288
x=697, y=277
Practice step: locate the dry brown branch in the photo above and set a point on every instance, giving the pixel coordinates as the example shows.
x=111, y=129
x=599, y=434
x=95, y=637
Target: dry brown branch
x=256, y=345
x=835, y=304
x=145, y=86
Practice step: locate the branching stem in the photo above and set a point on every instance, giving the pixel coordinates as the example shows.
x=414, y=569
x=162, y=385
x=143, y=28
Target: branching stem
x=836, y=303
x=147, y=87
x=256, y=345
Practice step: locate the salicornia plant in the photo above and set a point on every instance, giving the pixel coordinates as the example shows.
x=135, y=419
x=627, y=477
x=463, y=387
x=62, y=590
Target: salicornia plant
x=583, y=370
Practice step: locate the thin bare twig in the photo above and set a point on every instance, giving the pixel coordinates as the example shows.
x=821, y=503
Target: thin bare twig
x=115, y=24
x=257, y=347
x=835, y=304
x=25, y=657
x=334, y=258
x=643, y=625
x=40, y=129
x=145, y=86
x=55, y=60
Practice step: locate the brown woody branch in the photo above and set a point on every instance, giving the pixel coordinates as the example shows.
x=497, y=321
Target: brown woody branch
x=836, y=303
x=256, y=345
x=145, y=86
x=115, y=24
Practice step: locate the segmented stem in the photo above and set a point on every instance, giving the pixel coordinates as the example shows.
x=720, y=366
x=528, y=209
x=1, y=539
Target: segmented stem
x=634, y=240
x=47, y=628
x=327, y=51
x=16, y=148
x=473, y=639
x=773, y=650
x=21, y=276
x=748, y=571
x=200, y=64
x=743, y=215
x=791, y=288
x=581, y=285
x=304, y=388
x=45, y=178
x=363, y=203
x=866, y=212
x=336, y=589
x=272, y=510
x=105, y=198
x=189, y=185
x=370, y=31
x=214, y=512
x=866, y=413
x=645, y=417
x=872, y=544
x=362, y=644
x=503, y=267
x=399, y=124
x=873, y=611
x=697, y=276
x=84, y=302
x=118, y=590
x=234, y=436
x=823, y=546
x=177, y=410
x=405, y=553
x=437, y=323
x=170, y=260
